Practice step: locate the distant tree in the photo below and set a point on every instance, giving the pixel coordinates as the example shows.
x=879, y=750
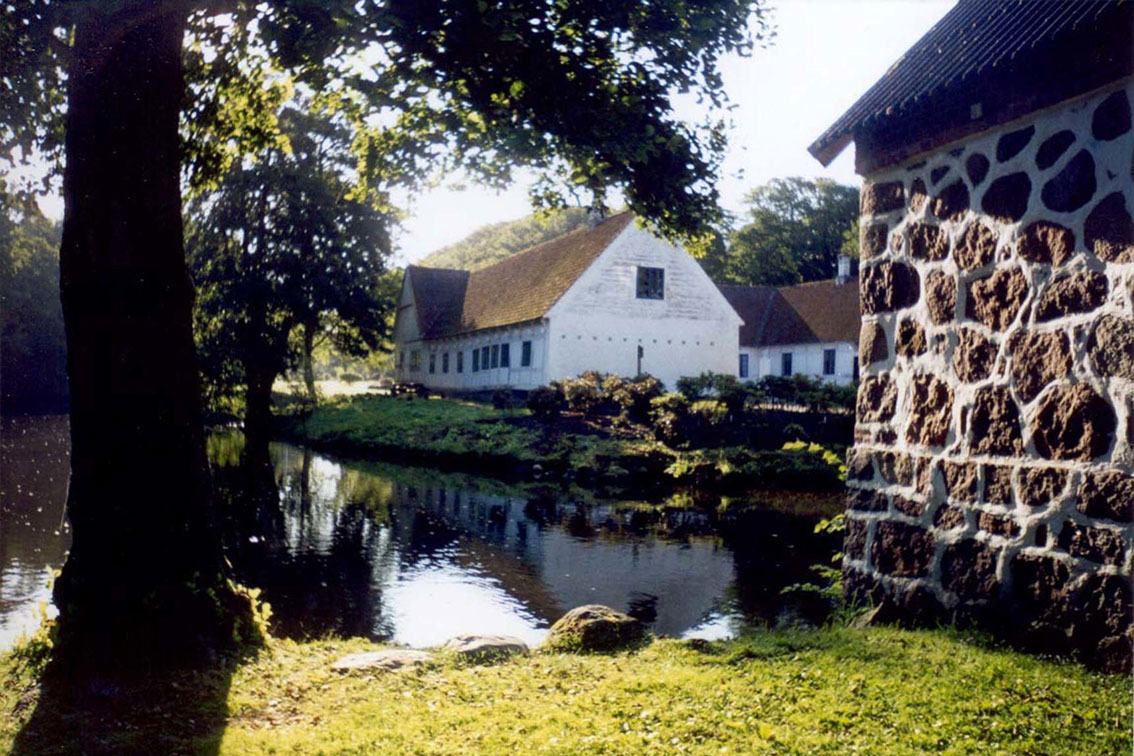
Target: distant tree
x=496, y=241
x=795, y=230
x=285, y=246
x=33, y=348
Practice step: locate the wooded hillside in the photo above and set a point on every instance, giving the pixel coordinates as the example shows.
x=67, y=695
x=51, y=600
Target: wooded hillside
x=495, y=242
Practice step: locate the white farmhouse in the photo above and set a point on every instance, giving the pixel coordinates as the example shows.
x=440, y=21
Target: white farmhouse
x=612, y=298
x=810, y=329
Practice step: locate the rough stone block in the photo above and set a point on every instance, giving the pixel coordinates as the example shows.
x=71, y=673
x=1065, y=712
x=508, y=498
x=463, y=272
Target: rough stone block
x=859, y=464
x=976, y=248
x=1109, y=495
x=952, y=202
x=1046, y=242
x=1096, y=544
x=902, y=550
x=854, y=540
x=1111, y=346
x=1011, y=144
x=941, y=296
x=968, y=569
x=872, y=240
x=973, y=356
x=877, y=396
x=960, y=480
x=918, y=196
x=909, y=507
x=881, y=198
x=1006, y=198
x=998, y=484
x=872, y=344
x=1079, y=292
x=1053, y=147
x=995, y=423
x=949, y=517
x=927, y=242
x=1039, y=582
x=1073, y=422
x=867, y=500
x=1039, y=486
x=1037, y=360
x=1109, y=230
x=887, y=287
x=895, y=467
x=998, y=525
x=1073, y=186
x=996, y=299
x=931, y=410
x=977, y=167
x=909, y=340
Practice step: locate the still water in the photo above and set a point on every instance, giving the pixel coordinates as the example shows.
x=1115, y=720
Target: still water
x=415, y=556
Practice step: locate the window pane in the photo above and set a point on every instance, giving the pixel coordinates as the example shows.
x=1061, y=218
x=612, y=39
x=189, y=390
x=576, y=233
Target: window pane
x=484, y=358
x=785, y=363
x=475, y=360
x=445, y=363
x=526, y=354
x=505, y=355
x=651, y=283
x=828, y=362
x=495, y=355
x=743, y=366
x=460, y=362
x=432, y=362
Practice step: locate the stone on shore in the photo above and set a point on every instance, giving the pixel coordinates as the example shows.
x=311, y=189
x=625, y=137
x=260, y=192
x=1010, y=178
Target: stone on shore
x=387, y=660
x=594, y=628
x=485, y=647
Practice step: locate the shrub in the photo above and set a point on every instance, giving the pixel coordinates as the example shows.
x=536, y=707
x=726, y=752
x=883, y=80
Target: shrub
x=669, y=416
x=582, y=394
x=711, y=412
x=695, y=388
x=350, y=377
x=633, y=397
x=546, y=402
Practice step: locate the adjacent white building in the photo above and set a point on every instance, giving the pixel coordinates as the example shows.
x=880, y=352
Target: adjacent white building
x=612, y=298
x=810, y=329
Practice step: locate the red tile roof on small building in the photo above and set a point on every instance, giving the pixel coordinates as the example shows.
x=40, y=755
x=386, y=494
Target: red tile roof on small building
x=518, y=289
x=810, y=313
x=993, y=52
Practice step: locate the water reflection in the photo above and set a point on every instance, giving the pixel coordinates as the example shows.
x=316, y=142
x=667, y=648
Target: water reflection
x=416, y=556
x=34, y=536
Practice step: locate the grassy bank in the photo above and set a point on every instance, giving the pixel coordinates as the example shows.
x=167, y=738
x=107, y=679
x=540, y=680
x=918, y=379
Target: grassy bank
x=835, y=691
x=514, y=445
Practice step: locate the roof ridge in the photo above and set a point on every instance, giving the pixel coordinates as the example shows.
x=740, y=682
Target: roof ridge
x=555, y=239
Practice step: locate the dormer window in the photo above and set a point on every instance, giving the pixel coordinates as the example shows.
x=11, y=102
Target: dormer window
x=651, y=283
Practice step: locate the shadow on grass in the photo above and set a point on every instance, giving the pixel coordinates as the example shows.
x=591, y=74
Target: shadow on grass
x=181, y=712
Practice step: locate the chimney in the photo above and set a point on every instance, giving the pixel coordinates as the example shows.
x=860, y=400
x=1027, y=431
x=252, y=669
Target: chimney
x=844, y=270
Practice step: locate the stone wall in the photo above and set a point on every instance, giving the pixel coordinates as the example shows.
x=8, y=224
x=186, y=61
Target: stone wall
x=991, y=477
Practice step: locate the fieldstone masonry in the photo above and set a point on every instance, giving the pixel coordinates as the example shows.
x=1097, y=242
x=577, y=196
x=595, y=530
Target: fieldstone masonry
x=991, y=479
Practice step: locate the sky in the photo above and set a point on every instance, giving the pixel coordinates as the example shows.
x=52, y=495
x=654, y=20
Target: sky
x=826, y=54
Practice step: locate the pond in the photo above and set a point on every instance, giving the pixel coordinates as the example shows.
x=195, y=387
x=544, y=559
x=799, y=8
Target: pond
x=415, y=556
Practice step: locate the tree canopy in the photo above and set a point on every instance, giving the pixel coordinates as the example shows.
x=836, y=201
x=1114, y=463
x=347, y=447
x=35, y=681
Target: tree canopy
x=795, y=230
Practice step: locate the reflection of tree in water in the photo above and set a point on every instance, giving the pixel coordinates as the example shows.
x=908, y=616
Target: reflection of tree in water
x=312, y=556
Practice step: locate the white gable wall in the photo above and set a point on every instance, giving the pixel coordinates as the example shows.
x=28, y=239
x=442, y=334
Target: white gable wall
x=438, y=373
x=599, y=323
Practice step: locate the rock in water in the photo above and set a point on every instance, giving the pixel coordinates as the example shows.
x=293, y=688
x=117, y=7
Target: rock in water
x=388, y=660
x=594, y=628
x=485, y=647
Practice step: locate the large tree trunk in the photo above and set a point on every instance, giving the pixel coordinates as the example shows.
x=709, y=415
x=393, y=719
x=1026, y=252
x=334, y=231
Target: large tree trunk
x=144, y=580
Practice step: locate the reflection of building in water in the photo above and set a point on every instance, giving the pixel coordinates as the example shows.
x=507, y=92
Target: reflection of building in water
x=672, y=585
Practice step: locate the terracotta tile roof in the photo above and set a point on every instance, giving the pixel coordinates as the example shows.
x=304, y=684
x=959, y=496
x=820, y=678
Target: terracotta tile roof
x=821, y=311
x=518, y=289
x=1013, y=42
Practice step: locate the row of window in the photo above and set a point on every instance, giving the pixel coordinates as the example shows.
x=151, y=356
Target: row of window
x=785, y=363
x=483, y=358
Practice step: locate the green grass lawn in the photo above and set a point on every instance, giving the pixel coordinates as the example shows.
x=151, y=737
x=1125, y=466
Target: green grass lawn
x=834, y=691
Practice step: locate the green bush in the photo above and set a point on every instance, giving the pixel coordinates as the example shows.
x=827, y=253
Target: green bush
x=546, y=402
x=669, y=416
x=633, y=397
x=711, y=412
x=502, y=399
x=583, y=394
x=694, y=388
